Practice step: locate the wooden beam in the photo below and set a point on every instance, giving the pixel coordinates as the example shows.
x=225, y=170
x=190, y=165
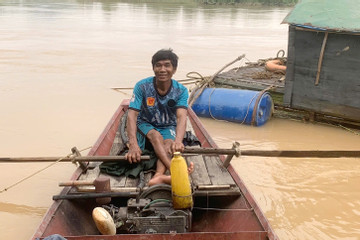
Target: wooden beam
x=301, y=154
x=93, y=195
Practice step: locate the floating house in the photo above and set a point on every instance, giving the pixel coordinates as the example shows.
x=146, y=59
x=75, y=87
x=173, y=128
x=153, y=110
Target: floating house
x=323, y=64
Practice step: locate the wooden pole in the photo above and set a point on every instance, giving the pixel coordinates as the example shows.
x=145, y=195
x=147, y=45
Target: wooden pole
x=197, y=92
x=93, y=195
x=204, y=151
x=321, y=57
x=301, y=154
x=184, y=81
x=236, y=147
x=77, y=159
x=216, y=151
x=277, y=153
x=76, y=183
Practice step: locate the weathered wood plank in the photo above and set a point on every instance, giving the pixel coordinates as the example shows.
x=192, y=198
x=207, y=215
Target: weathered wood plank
x=148, y=176
x=218, y=174
x=131, y=182
x=290, y=68
x=118, y=142
x=90, y=174
x=232, y=191
x=115, y=182
x=200, y=175
x=208, y=170
x=189, y=126
x=337, y=93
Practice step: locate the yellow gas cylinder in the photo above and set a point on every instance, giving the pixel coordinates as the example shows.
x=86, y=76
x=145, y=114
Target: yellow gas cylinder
x=180, y=183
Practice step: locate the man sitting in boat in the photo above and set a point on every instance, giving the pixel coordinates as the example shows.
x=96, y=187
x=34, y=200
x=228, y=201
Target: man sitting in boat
x=158, y=113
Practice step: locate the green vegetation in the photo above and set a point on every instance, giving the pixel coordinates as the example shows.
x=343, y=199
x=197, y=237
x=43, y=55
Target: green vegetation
x=251, y=2
x=206, y=2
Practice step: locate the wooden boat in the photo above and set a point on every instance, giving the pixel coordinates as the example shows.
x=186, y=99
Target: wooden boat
x=223, y=206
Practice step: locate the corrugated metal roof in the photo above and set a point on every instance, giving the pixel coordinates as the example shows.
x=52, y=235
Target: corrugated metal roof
x=338, y=15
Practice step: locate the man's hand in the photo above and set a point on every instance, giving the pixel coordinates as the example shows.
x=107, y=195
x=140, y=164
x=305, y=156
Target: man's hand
x=177, y=147
x=134, y=154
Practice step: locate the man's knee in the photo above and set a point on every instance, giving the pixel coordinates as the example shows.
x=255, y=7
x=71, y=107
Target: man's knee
x=154, y=136
x=168, y=142
x=168, y=145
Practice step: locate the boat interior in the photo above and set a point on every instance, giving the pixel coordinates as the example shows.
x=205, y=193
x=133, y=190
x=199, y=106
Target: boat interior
x=210, y=177
x=220, y=203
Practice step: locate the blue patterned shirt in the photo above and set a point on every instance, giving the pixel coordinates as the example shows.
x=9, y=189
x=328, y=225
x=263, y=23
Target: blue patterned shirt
x=155, y=109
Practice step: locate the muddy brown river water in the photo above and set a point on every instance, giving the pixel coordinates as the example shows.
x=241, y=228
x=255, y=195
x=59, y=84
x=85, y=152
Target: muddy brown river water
x=59, y=59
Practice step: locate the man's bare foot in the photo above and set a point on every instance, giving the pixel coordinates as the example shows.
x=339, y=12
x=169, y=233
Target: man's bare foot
x=159, y=178
x=191, y=168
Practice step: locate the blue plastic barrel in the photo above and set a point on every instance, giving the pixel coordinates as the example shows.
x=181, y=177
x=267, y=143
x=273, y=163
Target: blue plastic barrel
x=234, y=105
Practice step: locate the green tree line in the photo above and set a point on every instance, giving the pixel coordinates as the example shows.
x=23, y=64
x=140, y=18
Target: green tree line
x=262, y=2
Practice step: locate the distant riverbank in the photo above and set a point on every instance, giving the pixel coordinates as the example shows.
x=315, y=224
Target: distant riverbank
x=252, y=2
x=223, y=2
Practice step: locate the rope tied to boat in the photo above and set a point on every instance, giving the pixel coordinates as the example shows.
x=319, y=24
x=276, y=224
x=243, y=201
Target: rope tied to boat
x=70, y=155
x=197, y=91
x=253, y=119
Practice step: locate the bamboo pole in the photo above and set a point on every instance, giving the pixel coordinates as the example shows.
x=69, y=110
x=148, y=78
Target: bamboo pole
x=184, y=81
x=197, y=92
x=122, y=88
x=77, y=159
x=278, y=153
x=76, y=183
x=302, y=154
x=321, y=57
x=206, y=151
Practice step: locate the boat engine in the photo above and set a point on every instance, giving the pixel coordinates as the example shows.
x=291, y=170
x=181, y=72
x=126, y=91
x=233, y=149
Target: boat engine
x=151, y=212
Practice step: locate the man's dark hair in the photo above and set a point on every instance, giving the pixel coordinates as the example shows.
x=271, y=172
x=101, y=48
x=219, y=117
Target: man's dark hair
x=165, y=54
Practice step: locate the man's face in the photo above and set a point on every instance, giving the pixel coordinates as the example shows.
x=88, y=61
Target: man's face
x=164, y=70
